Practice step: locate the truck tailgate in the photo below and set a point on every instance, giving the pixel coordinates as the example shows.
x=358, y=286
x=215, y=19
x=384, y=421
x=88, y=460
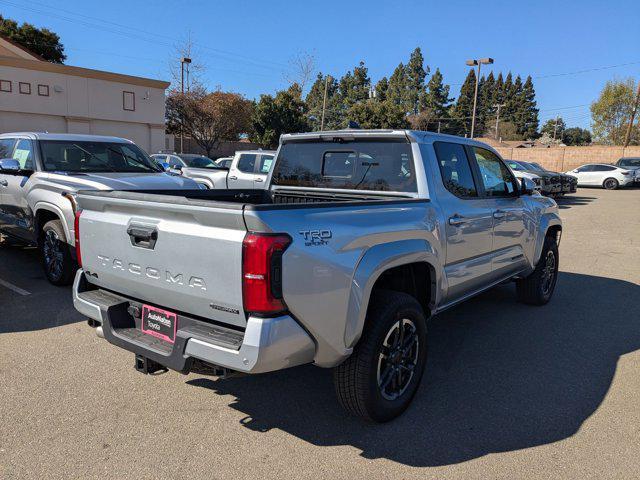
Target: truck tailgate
x=175, y=253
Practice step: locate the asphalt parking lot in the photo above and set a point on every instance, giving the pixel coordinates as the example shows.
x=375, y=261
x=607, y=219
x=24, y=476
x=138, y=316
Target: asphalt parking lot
x=511, y=391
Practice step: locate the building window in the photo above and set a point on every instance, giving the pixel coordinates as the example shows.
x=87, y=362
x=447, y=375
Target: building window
x=128, y=101
x=5, y=86
x=43, y=90
x=24, y=88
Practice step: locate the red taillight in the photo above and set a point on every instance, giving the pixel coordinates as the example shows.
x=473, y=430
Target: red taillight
x=262, y=272
x=76, y=236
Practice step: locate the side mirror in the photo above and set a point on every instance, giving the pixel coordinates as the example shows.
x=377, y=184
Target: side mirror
x=9, y=165
x=528, y=186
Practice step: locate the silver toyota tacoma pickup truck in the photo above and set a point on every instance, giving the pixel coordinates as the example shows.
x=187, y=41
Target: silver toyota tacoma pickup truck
x=360, y=238
x=40, y=172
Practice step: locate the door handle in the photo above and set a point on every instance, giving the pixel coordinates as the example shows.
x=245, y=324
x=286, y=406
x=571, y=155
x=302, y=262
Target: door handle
x=457, y=220
x=4, y=183
x=498, y=214
x=233, y=178
x=259, y=180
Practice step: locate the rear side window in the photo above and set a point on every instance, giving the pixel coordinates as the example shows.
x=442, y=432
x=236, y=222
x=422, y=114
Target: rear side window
x=24, y=154
x=247, y=162
x=265, y=163
x=585, y=168
x=377, y=165
x=455, y=169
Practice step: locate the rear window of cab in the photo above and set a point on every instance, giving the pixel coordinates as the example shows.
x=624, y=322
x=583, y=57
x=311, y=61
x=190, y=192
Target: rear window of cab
x=380, y=165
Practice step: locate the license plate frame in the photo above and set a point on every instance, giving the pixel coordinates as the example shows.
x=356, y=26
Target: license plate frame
x=162, y=325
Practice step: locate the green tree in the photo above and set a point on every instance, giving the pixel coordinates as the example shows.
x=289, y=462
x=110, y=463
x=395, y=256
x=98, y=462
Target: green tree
x=611, y=112
x=273, y=116
x=416, y=75
x=486, y=109
x=550, y=125
x=576, y=136
x=375, y=114
x=41, y=41
x=354, y=87
x=314, y=102
x=382, y=88
x=434, y=105
x=463, y=109
x=398, y=86
x=527, y=113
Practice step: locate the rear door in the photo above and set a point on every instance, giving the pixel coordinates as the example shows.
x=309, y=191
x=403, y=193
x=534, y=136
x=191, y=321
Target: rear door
x=469, y=223
x=501, y=190
x=263, y=167
x=242, y=173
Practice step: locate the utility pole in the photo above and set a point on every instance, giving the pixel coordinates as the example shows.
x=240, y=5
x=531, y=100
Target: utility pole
x=438, y=126
x=183, y=61
x=324, y=102
x=473, y=63
x=555, y=128
x=498, y=106
x=627, y=136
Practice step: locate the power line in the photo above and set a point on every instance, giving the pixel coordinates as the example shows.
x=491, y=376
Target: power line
x=134, y=34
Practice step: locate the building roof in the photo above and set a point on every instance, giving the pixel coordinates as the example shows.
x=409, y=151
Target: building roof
x=9, y=48
x=14, y=55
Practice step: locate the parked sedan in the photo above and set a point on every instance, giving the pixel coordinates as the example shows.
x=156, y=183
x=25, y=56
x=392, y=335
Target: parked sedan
x=521, y=173
x=602, y=175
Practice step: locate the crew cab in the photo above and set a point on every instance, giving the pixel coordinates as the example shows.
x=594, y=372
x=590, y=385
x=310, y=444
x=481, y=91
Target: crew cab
x=248, y=169
x=40, y=172
x=361, y=237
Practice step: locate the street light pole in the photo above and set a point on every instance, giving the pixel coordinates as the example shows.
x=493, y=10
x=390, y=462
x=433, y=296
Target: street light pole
x=473, y=63
x=183, y=60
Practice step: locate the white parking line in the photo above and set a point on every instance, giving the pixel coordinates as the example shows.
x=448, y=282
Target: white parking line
x=16, y=289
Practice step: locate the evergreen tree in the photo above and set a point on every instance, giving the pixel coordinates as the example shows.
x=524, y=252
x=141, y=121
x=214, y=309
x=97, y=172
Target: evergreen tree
x=314, y=102
x=463, y=110
x=375, y=114
x=354, y=87
x=486, y=109
x=382, y=88
x=40, y=41
x=398, y=85
x=508, y=91
x=416, y=74
x=528, y=113
x=550, y=125
x=498, y=90
x=436, y=99
x=274, y=116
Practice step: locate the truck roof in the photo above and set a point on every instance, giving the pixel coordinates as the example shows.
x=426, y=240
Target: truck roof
x=415, y=135
x=66, y=136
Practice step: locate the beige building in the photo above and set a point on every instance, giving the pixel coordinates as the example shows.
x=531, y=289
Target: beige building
x=36, y=95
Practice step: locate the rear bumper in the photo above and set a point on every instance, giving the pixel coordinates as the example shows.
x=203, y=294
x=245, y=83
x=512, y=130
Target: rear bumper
x=267, y=344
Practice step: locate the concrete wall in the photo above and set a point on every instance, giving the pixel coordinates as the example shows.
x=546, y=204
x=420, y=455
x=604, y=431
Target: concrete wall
x=78, y=104
x=562, y=159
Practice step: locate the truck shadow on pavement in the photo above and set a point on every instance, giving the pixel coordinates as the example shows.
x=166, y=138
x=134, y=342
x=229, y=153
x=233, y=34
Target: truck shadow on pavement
x=21, y=267
x=501, y=376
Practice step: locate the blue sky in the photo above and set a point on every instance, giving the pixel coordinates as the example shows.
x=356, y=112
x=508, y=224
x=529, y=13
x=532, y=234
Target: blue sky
x=247, y=46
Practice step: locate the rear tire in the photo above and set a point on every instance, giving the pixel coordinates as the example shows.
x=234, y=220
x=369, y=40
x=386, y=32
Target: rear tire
x=538, y=287
x=378, y=381
x=55, y=254
x=610, y=184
